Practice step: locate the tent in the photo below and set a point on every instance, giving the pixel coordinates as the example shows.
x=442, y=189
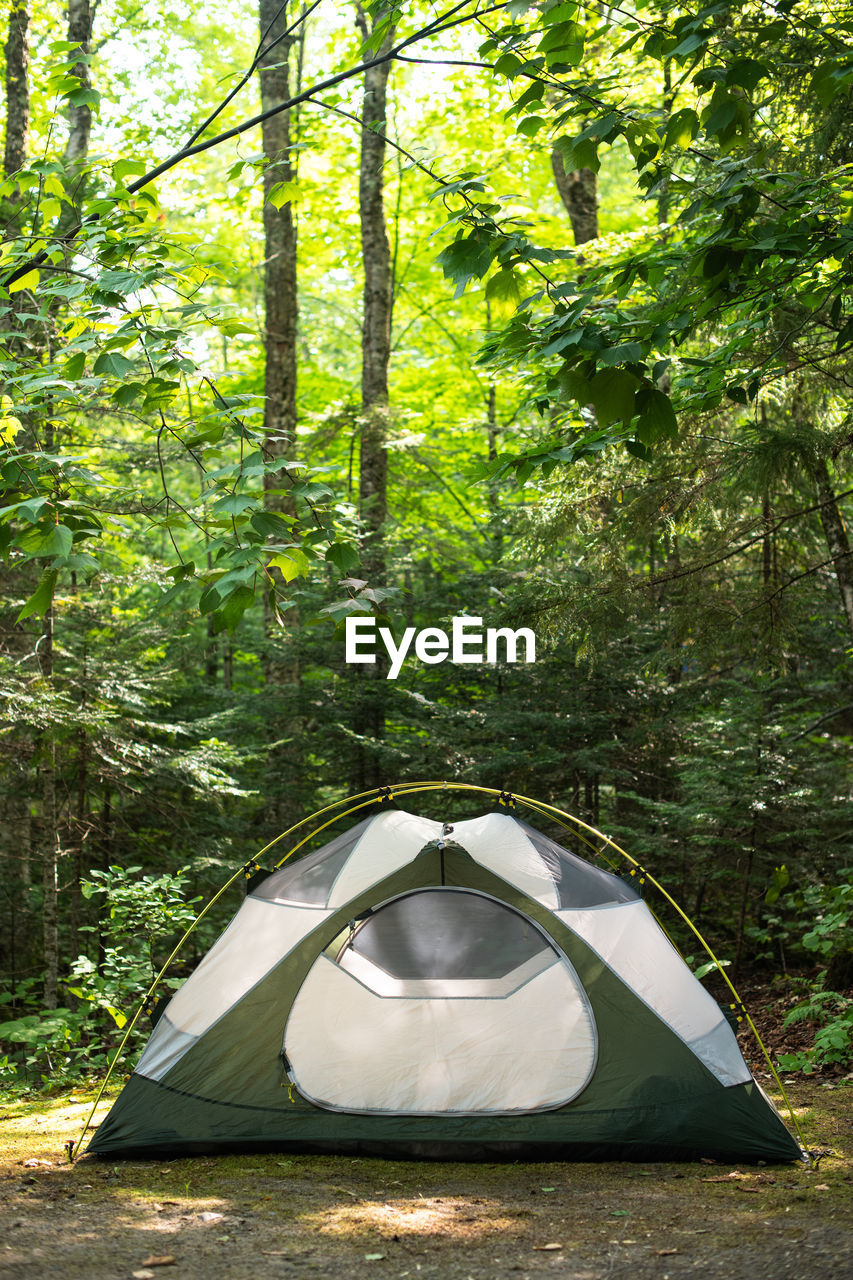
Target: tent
x=473, y=991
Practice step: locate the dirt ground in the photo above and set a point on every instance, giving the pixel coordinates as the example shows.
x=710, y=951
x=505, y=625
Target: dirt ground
x=283, y=1216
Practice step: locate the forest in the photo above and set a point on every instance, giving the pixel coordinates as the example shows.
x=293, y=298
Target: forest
x=532, y=313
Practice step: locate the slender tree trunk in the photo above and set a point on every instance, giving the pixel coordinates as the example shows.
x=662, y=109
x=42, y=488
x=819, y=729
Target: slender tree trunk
x=663, y=195
x=49, y=832
x=369, y=719
x=837, y=539
x=281, y=660
x=17, y=51
x=492, y=446
x=579, y=193
x=80, y=18
x=280, y=285
x=376, y=324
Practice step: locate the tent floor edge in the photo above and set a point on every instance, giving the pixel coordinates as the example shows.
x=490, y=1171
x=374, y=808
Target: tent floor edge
x=186, y=1125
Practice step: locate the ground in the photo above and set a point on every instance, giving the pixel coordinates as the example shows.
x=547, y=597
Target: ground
x=284, y=1216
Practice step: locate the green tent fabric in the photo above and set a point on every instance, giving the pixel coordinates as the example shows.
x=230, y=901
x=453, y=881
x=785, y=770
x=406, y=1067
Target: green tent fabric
x=468, y=992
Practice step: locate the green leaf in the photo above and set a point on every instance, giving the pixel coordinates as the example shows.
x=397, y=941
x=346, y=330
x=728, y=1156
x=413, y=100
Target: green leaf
x=716, y=262
x=125, y=395
x=56, y=540
x=504, y=289
x=681, y=128
x=611, y=393
x=564, y=41
x=42, y=598
x=112, y=364
x=233, y=504
x=284, y=193
x=84, y=97
x=270, y=524
x=75, y=366
x=343, y=555
x=233, y=608
x=656, y=415
x=559, y=13
x=746, y=73
x=638, y=450
x=626, y=353
x=696, y=40
x=290, y=564
x=126, y=168
x=530, y=126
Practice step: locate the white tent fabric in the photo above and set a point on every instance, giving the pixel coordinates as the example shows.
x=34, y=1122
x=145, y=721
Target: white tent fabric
x=350, y=1049
x=259, y=936
x=497, y=842
x=630, y=941
x=391, y=841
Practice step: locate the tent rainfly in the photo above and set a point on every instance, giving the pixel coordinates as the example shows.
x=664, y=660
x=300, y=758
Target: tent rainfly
x=468, y=992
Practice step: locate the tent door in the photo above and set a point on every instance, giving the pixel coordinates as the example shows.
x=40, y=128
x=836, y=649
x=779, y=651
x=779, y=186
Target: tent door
x=443, y=1001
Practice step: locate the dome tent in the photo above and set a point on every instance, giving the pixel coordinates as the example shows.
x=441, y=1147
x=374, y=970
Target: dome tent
x=468, y=991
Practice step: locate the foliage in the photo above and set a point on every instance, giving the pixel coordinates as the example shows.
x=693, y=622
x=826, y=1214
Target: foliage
x=833, y=1042
x=139, y=915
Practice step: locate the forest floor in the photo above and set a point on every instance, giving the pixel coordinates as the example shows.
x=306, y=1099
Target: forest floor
x=325, y=1217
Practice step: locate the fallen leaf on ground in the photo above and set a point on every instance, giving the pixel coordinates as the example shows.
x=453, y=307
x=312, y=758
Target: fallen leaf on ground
x=822, y=1186
x=665, y=1253
x=373, y=1257
x=543, y=1247
x=142, y=1275
x=159, y=1260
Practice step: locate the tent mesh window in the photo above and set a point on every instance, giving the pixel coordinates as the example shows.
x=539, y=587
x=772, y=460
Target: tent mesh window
x=447, y=934
x=311, y=878
x=578, y=884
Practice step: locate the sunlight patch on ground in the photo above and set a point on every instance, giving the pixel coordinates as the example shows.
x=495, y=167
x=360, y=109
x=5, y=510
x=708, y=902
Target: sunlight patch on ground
x=420, y=1217
x=39, y=1129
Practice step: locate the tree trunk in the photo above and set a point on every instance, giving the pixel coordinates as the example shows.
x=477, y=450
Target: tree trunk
x=49, y=833
x=369, y=715
x=376, y=324
x=280, y=286
x=281, y=661
x=80, y=19
x=496, y=530
x=17, y=50
x=668, y=100
x=837, y=540
x=579, y=193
